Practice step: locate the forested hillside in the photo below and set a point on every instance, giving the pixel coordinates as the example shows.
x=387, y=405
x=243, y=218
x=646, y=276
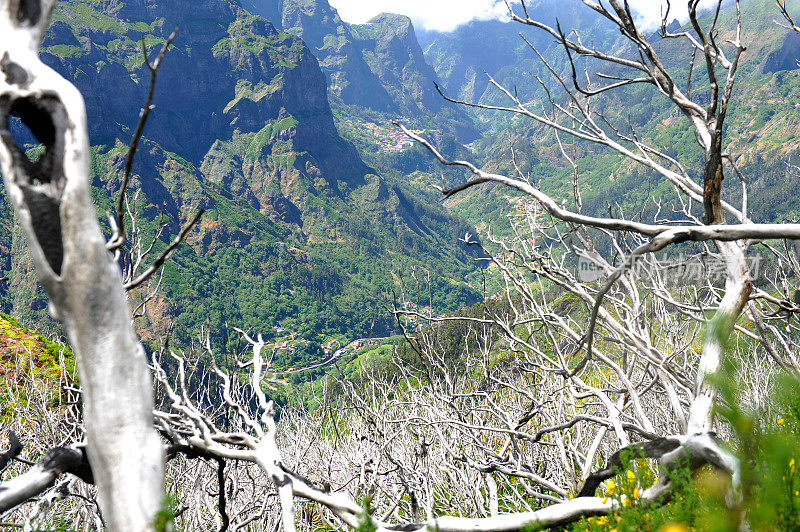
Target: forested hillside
x=762, y=132
x=298, y=232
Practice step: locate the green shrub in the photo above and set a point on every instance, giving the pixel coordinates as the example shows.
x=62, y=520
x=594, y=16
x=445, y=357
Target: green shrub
x=769, y=453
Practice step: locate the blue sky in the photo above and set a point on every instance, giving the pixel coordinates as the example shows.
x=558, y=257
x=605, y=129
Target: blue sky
x=446, y=15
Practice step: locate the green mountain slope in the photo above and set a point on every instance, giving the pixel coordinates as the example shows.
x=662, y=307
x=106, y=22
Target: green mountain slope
x=762, y=133
x=299, y=233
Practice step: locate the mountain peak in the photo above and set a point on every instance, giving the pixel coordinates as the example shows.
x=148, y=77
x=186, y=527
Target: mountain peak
x=401, y=22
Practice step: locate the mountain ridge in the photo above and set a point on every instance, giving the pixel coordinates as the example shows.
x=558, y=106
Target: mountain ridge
x=299, y=233
x=378, y=66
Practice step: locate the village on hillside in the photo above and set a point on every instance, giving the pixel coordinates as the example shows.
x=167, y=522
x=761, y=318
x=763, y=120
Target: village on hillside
x=390, y=139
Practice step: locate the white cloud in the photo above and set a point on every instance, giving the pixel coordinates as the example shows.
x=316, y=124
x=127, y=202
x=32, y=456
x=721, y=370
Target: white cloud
x=446, y=15
x=439, y=15
x=650, y=12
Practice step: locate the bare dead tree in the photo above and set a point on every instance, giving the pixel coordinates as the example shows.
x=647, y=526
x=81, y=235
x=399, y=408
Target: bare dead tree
x=634, y=346
x=41, y=422
x=788, y=20
x=412, y=443
x=51, y=200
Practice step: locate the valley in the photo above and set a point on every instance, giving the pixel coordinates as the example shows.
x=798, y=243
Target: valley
x=317, y=208
x=400, y=272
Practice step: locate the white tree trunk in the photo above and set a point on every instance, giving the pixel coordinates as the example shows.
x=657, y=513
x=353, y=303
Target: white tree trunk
x=52, y=201
x=738, y=286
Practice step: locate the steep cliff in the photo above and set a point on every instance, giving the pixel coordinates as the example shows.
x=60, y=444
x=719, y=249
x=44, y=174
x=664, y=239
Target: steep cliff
x=340, y=56
x=390, y=48
x=378, y=66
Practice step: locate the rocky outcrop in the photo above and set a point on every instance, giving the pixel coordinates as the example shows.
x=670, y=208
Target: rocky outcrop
x=340, y=56
x=378, y=66
x=393, y=54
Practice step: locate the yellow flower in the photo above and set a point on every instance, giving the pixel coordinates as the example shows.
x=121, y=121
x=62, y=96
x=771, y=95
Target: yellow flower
x=635, y=493
x=631, y=475
x=780, y=421
x=674, y=527
x=610, y=486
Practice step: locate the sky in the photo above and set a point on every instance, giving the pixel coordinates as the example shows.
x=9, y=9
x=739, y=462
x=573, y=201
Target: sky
x=447, y=15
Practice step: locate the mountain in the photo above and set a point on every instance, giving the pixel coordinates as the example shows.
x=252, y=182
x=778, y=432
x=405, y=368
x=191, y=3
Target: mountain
x=462, y=58
x=761, y=128
x=299, y=235
x=243, y=73
x=377, y=67
x=392, y=52
x=340, y=56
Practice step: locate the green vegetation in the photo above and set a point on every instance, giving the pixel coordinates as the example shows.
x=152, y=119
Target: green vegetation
x=266, y=136
x=64, y=51
x=122, y=39
x=365, y=522
x=247, y=33
x=164, y=520
x=90, y=14
x=766, y=443
x=246, y=90
x=26, y=354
